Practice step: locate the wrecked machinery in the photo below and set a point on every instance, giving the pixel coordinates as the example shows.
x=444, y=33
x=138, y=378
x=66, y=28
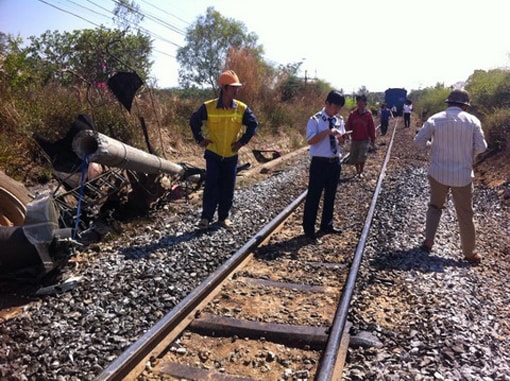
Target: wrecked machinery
x=97, y=176
x=99, y=180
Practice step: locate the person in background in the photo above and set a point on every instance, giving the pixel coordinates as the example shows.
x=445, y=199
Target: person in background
x=361, y=123
x=454, y=137
x=386, y=114
x=217, y=125
x=394, y=110
x=408, y=107
x=324, y=131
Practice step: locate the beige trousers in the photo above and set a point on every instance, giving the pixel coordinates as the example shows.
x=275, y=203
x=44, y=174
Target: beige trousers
x=463, y=201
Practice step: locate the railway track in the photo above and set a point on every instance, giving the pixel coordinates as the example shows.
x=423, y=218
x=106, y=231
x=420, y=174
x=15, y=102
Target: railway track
x=276, y=309
x=435, y=316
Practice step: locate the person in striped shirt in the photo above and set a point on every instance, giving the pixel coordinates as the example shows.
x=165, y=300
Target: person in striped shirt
x=454, y=138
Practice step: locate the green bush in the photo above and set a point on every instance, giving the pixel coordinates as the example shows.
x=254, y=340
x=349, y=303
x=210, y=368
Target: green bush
x=429, y=101
x=497, y=129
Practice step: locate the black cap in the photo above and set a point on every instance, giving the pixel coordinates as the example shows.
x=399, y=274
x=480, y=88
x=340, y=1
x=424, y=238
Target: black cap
x=458, y=97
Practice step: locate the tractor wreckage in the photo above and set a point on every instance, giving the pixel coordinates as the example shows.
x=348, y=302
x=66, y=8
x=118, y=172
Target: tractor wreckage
x=99, y=180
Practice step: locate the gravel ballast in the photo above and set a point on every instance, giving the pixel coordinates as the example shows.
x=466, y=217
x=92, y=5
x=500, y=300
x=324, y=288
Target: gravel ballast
x=438, y=317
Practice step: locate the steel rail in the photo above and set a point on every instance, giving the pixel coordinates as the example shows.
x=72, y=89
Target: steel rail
x=120, y=368
x=327, y=366
x=146, y=346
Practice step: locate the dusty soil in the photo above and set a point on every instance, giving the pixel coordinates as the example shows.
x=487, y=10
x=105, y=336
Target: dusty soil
x=492, y=169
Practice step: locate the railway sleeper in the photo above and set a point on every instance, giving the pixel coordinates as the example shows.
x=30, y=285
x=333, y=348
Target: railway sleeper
x=286, y=334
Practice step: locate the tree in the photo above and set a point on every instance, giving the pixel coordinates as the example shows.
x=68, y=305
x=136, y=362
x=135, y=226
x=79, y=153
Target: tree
x=483, y=87
x=430, y=100
x=289, y=82
x=3, y=42
x=256, y=75
x=208, y=42
x=14, y=71
x=363, y=91
x=88, y=55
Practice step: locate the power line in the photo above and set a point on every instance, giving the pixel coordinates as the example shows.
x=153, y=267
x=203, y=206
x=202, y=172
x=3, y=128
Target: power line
x=99, y=6
x=153, y=18
x=152, y=34
x=147, y=31
x=166, y=12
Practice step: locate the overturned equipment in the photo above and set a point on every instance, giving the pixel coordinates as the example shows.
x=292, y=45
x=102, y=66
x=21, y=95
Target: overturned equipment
x=99, y=180
x=103, y=173
x=39, y=242
x=96, y=175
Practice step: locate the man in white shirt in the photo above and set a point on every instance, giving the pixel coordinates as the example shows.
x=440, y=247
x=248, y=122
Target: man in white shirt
x=324, y=131
x=407, y=108
x=454, y=137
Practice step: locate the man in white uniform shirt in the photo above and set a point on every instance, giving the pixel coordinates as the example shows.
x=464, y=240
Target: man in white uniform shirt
x=324, y=131
x=455, y=137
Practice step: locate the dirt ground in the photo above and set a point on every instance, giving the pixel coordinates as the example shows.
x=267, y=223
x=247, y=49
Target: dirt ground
x=494, y=171
x=491, y=170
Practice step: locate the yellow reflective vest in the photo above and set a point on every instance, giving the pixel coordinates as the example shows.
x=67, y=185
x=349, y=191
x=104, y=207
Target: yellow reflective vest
x=223, y=127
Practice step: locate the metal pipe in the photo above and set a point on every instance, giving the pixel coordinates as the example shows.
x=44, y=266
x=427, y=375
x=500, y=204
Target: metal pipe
x=107, y=151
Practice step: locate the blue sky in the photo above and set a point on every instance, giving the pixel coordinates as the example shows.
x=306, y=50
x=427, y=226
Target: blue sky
x=376, y=44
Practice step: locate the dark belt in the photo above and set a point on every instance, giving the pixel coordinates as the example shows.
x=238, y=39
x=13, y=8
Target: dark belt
x=335, y=159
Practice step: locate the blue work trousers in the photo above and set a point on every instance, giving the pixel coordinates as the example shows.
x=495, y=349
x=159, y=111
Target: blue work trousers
x=220, y=181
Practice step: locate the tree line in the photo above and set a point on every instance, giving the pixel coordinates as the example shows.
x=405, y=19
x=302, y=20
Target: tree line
x=50, y=79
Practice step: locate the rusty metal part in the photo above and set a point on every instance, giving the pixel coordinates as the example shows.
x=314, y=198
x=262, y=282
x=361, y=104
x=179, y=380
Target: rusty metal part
x=13, y=198
x=104, y=150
